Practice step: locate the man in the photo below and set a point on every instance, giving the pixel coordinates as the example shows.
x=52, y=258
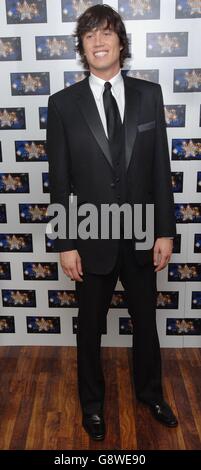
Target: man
x=107, y=144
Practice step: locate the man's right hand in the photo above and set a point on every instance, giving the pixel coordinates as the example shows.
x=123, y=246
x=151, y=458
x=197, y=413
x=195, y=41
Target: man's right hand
x=71, y=264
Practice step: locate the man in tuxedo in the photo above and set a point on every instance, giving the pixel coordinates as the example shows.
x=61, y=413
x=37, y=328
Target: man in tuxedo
x=107, y=144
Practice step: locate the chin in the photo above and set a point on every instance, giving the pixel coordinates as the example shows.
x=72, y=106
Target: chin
x=103, y=64
x=102, y=67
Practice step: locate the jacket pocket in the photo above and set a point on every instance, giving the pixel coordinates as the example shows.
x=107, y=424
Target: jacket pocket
x=146, y=126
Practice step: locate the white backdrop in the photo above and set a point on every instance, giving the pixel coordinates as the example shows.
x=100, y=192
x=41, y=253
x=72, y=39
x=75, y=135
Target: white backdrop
x=37, y=59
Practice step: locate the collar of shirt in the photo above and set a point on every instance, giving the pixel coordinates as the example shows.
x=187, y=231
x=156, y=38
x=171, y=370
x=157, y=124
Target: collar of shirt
x=97, y=85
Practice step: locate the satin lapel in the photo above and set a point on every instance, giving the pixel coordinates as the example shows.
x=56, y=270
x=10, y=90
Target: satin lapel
x=132, y=104
x=90, y=112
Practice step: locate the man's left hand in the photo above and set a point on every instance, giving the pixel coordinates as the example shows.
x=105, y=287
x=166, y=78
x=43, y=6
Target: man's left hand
x=162, y=252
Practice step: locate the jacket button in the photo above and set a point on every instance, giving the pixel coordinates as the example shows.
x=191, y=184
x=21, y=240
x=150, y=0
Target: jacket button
x=117, y=180
x=112, y=185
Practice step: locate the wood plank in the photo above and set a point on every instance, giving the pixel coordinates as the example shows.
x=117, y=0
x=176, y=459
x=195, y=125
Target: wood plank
x=126, y=401
x=35, y=434
x=193, y=390
x=186, y=419
x=40, y=408
x=9, y=402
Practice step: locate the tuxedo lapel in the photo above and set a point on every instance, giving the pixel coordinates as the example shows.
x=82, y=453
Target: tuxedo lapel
x=132, y=104
x=90, y=112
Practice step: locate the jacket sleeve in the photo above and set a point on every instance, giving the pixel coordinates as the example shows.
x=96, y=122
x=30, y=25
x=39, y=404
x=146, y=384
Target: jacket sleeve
x=59, y=169
x=165, y=223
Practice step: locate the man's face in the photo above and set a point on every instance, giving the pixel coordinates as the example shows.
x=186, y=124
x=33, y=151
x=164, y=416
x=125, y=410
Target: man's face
x=102, y=50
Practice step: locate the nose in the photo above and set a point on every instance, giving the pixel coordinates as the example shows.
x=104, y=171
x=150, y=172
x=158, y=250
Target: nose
x=98, y=39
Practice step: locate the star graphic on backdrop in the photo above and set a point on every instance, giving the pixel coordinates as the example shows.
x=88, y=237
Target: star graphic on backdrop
x=194, y=79
x=34, y=151
x=187, y=212
x=79, y=76
x=167, y=43
x=11, y=183
x=30, y=83
x=174, y=181
x=117, y=299
x=189, y=149
x=56, y=46
x=44, y=325
x=40, y=271
x=170, y=115
x=26, y=10
x=140, y=75
x=19, y=298
x=7, y=119
x=181, y=326
x=36, y=212
x=186, y=272
x=15, y=242
x=66, y=298
x=5, y=48
x=140, y=7
x=195, y=6
x=1, y=269
x=163, y=300
x=197, y=211
x=198, y=146
x=81, y=6
x=3, y=324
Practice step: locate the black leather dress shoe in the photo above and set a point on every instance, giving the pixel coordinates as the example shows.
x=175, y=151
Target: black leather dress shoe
x=163, y=413
x=94, y=425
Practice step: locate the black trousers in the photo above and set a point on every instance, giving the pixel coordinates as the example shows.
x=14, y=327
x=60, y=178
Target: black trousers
x=94, y=297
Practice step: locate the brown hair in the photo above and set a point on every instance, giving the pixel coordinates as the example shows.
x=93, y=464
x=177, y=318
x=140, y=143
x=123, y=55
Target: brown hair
x=97, y=16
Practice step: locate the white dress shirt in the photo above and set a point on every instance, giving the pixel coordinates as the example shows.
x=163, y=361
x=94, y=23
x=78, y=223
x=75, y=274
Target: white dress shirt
x=97, y=87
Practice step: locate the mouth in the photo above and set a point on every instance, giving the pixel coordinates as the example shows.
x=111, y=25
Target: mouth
x=100, y=53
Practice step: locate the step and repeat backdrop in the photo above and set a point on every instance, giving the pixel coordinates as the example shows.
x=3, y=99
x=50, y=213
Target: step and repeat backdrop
x=37, y=58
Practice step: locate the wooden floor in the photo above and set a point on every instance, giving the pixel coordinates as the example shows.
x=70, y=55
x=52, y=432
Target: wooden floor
x=39, y=405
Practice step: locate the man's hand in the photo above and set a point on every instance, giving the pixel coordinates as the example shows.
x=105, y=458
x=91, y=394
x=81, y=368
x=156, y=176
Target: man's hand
x=162, y=252
x=71, y=264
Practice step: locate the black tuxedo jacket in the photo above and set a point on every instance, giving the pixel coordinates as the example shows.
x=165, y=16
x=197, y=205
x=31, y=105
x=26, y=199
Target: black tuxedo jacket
x=80, y=162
